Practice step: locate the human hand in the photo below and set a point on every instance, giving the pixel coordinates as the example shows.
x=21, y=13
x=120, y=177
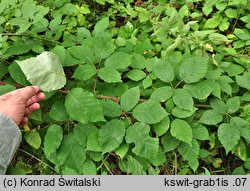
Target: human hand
x=18, y=104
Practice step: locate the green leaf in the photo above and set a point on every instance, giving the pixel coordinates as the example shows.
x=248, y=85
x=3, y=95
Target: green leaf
x=218, y=38
x=164, y=70
x=201, y=89
x=109, y=75
x=147, y=82
x=52, y=140
x=243, y=126
x=135, y=167
x=149, y=112
x=241, y=151
x=213, y=22
x=3, y=70
x=111, y=135
x=40, y=14
x=45, y=70
x=233, y=104
x=181, y=130
x=247, y=164
x=71, y=154
x=243, y=81
x=18, y=21
x=33, y=138
x=161, y=94
x=6, y=88
x=211, y=117
x=169, y=142
x=136, y=75
x=58, y=111
x=245, y=19
x=118, y=60
x=190, y=153
x=101, y=26
x=200, y=132
x=92, y=141
x=213, y=73
x=17, y=74
x=239, y=171
x=229, y=136
x=83, y=53
x=234, y=70
x=231, y=51
x=81, y=105
x=102, y=47
x=122, y=150
x=183, y=99
x=17, y=49
x=225, y=86
x=55, y=23
x=61, y=52
x=138, y=61
x=111, y=108
x=224, y=25
x=162, y=127
x=231, y=13
x=84, y=72
x=130, y=98
x=193, y=69
x=207, y=10
x=160, y=158
x=36, y=115
x=182, y=113
x=69, y=60
x=89, y=168
x=220, y=5
x=96, y=156
x=246, y=96
x=145, y=145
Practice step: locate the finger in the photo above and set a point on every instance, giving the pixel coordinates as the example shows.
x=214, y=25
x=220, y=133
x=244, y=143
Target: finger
x=24, y=121
x=36, y=98
x=28, y=92
x=32, y=108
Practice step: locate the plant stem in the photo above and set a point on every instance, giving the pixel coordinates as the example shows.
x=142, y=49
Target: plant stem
x=15, y=85
x=98, y=168
x=37, y=159
x=32, y=36
x=178, y=84
x=65, y=92
x=115, y=99
x=201, y=105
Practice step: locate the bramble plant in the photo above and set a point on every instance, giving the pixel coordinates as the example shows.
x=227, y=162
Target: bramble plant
x=132, y=87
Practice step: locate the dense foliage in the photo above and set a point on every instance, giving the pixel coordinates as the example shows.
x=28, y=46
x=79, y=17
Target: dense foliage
x=153, y=87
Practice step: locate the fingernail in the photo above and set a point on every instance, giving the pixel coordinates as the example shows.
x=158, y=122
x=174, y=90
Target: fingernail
x=37, y=88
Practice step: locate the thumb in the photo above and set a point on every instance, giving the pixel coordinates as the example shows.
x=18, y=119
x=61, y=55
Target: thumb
x=28, y=92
